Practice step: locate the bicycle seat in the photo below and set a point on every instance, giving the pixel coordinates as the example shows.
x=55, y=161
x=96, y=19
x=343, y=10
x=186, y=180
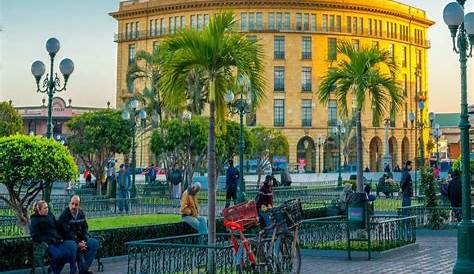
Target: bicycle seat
x=233, y=226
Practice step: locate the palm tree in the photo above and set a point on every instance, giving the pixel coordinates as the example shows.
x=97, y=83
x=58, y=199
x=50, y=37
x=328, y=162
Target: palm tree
x=218, y=54
x=365, y=76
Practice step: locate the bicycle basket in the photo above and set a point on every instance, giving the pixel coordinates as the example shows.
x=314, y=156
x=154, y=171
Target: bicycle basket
x=294, y=209
x=243, y=213
x=289, y=213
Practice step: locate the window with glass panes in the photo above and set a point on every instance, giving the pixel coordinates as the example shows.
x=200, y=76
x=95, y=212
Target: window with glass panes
x=251, y=21
x=306, y=79
x=199, y=25
x=405, y=115
x=404, y=57
x=306, y=113
x=349, y=24
x=306, y=21
x=306, y=47
x=171, y=24
x=206, y=20
x=193, y=21
x=287, y=21
x=298, y=21
x=279, y=112
x=325, y=23
x=131, y=53
x=332, y=23
x=338, y=23
x=163, y=26
x=259, y=21
x=271, y=20
x=313, y=22
x=243, y=21
x=405, y=85
x=279, y=21
x=391, y=50
x=279, y=79
x=279, y=47
x=332, y=112
x=332, y=50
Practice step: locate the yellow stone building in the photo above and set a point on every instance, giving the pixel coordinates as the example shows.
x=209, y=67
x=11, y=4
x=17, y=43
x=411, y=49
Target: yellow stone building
x=299, y=39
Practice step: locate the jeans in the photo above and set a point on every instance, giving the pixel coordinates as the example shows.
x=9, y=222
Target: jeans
x=199, y=223
x=177, y=191
x=264, y=216
x=123, y=201
x=406, y=201
x=62, y=254
x=85, y=258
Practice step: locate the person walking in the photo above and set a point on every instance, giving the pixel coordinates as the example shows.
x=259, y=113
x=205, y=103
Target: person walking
x=124, y=184
x=73, y=226
x=44, y=228
x=265, y=201
x=151, y=174
x=176, y=178
x=190, y=209
x=231, y=179
x=455, y=194
x=406, y=185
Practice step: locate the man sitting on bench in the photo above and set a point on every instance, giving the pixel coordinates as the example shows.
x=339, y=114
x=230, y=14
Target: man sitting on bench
x=74, y=227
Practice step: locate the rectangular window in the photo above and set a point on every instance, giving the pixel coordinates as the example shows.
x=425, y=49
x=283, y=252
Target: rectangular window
x=251, y=21
x=388, y=29
x=199, y=17
x=131, y=53
x=287, y=21
x=393, y=119
x=370, y=26
x=355, y=43
x=306, y=47
x=306, y=22
x=349, y=24
x=376, y=28
x=127, y=31
x=279, y=21
x=338, y=23
x=391, y=50
x=405, y=116
x=332, y=50
x=137, y=30
x=354, y=25
x=183, y=21
x=306, y=113
x=157, y=27
x=306, y=79
x=279, y=79
x=404, y=57
x=298, y=21
x=152, y=28
x=206, y=20
x=361, y=25
x=395, y=30
x=163, y=26
x=271, y=20
x=279, y=47
x=243, y=21
x=193, y=21
x=171, y=24
x=325, y=23
x=332, y=113
x=279, y=112
x=380, y=28
x=405, y=85
x=332, y=23
x=259, y=21
x=313, y=23
x=177, y=22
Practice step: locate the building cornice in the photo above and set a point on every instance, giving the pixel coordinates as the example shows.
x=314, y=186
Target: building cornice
x=145, y=9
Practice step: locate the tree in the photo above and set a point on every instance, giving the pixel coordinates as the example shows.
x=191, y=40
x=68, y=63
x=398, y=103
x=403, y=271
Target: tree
x=10, y=120
x=150, y=72
x=268, y=143
x=360, y=76
x=96, y=138
x=218, y=52
x=181, y=141
x=30, y=165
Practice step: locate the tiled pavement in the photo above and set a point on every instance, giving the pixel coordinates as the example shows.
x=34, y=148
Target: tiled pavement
x=436, y=254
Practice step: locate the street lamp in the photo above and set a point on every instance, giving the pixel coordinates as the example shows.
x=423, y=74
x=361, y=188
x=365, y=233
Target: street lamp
x=320, y=142
x=133, y=116
x=339, y=130
x=462, y=28
x=240, y=107
x=51, y=84
x=437, y=135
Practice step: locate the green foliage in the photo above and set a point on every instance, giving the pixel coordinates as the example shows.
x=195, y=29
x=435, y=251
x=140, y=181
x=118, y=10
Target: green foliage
x=227, y=143
x=97, y=136
x=429, y=187
x=29, y=165
x=10, y=121
x=132, y=220
x=375, y=245
x=268, y=143
x=456, y=167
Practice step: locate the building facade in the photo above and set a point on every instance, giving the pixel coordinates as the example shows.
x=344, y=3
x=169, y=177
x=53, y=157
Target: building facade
x=299, y=39
x=35, y=118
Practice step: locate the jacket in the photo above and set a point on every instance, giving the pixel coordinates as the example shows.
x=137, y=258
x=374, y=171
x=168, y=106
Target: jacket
x=124, y=181
x=265, y=196
x=45, y=229
x=71, y=228
x=232, y=175
x=455, y=191
x=189, y=205
x=406, y=183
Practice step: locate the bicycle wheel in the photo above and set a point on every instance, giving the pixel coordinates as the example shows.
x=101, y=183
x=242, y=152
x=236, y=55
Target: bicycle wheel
x=264, y=257
x=287, y=255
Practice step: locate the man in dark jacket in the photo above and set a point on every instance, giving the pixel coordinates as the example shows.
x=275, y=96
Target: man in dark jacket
x=406, y=185
x=74, y=227
x=44, y=229
x=455, y=194
x=231, y=178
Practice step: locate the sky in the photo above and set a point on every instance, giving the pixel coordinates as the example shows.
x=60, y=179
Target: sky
x=85, y=31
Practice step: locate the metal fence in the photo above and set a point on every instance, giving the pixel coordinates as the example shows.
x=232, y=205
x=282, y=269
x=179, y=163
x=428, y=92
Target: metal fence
x=442, y=217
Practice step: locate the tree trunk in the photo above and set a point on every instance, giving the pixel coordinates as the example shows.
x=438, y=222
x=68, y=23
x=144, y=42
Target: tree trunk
x=211, y=179
x=360, y=158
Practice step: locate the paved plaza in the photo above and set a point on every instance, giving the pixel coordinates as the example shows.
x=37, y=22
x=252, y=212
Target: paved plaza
x=436, y=254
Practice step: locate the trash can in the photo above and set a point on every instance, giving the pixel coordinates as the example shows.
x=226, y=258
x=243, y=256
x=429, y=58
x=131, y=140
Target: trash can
x=357, y=210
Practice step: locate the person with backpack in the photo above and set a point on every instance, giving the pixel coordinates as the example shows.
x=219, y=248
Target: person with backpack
x=176, y=178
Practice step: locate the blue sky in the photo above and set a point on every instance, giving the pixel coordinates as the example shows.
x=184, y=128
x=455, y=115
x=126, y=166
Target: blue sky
x=86, y=31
